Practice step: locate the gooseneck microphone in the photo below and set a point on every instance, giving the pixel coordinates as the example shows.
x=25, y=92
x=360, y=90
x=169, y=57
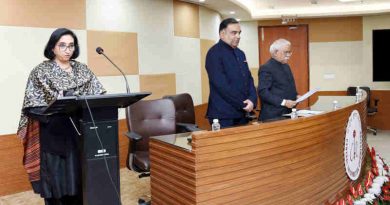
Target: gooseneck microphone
x=100, y=51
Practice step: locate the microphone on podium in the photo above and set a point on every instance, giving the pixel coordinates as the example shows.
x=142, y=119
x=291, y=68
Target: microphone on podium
x=100, y=51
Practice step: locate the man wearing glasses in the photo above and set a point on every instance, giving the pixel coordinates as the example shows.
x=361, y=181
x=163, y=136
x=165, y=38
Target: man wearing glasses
x=276, y=88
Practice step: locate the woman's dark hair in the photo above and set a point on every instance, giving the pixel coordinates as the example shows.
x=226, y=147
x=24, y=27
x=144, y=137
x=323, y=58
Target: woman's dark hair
x=225, y=23
x=55, y=37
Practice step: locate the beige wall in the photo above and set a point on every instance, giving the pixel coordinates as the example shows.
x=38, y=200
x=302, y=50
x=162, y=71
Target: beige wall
x=370, y=23
x=341, y=48
x=150, y=26
x=139, y=35
x=350, y=60
x=209, y=24
x=249, y=43
x=343, y=60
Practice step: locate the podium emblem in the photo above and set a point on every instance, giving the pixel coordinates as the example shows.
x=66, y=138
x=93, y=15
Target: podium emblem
x=353, y=146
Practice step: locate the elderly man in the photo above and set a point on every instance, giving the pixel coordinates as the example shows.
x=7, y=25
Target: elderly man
x=232, y=91
x=276, y=88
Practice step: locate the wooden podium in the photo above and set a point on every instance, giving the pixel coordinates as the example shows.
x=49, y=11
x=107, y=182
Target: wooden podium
x=299, y=161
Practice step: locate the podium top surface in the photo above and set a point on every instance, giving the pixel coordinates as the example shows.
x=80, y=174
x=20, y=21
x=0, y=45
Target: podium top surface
x=177, y=140
x=70, y=103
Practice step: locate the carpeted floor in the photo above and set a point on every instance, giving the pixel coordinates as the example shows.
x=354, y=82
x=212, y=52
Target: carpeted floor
x=131, y=189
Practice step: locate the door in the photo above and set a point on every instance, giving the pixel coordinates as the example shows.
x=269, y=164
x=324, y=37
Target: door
x=298, y=36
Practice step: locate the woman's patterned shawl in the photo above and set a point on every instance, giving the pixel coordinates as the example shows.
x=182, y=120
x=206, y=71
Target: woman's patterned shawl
x=46, y=82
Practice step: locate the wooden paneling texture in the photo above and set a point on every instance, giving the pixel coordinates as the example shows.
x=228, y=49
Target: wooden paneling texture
x=186, y=19
x=382, y=118
x=43, y=13
x=328, y=29
x=205, y=45
x=120, y=47
x=285, y=162
x=175, y=185
x=13, y=175
x=159, y=84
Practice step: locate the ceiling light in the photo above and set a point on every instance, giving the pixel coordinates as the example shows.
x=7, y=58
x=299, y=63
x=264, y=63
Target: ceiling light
x=232, y=12
x=202, y=0
x=349, y=0
x=238, y=19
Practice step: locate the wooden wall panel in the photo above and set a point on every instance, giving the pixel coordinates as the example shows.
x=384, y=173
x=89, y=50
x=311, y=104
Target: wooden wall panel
x=255, y=76
x=336, y=29
x=328, y=29
x=186, y=19
x=13, y=175
x=205, y=45
x=123, y=142
x=159, y=85
x=120, y=47
x=382, y=118
x=70, y=14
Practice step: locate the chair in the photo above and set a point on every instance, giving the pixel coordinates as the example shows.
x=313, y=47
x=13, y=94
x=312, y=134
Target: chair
x=185, y=114
x=370, y=110
x=145, y=119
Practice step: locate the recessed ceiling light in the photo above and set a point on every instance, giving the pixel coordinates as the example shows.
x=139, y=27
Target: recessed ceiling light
x=349, y=0
x=232, y=12
x=238, y=19
x=202, y=0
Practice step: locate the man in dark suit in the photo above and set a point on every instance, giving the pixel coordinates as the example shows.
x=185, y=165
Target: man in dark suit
x=232, y=91
x=276, y=88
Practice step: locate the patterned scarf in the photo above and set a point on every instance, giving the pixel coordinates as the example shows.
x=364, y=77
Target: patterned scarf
x=46, y=82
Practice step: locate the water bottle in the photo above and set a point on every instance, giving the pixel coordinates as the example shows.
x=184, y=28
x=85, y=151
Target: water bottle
x=335, y=105
x=358, y=94
x=215, y=126
x=294, y=113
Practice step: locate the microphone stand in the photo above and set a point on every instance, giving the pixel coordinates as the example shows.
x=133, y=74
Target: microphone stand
x=123, y=74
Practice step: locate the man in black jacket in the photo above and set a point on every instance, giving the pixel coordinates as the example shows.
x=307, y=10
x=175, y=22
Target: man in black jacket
x=232, y=91
x=276, y=88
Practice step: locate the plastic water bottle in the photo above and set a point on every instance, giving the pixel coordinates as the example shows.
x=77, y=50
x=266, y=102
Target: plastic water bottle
x=215, y=126
x=335, y=105
x=294, y=113
x=358, y=94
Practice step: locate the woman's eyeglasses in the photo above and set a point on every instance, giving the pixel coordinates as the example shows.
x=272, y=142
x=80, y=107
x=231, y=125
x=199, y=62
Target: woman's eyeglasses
x=63, y=47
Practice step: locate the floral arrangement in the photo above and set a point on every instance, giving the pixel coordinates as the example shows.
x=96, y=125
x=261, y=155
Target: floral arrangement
x=375, y=188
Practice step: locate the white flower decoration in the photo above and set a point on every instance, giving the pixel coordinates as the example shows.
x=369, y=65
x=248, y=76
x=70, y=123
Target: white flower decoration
x=359, y=202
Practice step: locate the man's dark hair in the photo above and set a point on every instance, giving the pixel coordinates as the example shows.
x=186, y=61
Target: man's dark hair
x=55, y=37
x=225, y=23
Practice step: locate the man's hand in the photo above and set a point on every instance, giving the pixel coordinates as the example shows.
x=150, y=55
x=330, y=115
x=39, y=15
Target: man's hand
x=249, y=105
x=290, y=103
x=298, y=96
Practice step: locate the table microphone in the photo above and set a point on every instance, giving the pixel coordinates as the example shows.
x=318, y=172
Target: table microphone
x=100, y=51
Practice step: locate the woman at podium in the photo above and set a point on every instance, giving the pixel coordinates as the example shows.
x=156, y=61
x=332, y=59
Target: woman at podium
x=51, y=153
